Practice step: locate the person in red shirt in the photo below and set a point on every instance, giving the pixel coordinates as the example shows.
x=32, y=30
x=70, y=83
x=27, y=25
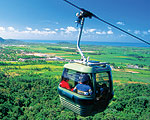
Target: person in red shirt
x=64, y=83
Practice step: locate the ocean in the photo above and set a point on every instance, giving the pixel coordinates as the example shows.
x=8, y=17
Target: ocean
x=90, y=43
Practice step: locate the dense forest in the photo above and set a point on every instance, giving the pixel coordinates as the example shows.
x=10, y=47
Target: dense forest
x=28, y=90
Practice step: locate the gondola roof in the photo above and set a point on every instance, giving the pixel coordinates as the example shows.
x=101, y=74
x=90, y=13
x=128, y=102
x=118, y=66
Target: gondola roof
x=86, y=68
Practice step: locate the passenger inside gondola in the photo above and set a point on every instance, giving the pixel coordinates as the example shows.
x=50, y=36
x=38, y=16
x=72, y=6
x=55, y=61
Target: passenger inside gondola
x=64, y=83
x=82, y=87
x=104, y=91
x=102, y=86
x=78, y=82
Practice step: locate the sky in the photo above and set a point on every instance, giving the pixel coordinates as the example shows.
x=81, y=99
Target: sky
x=55, y=20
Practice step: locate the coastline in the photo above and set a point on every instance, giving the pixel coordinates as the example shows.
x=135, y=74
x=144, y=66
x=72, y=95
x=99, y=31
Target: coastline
x=121, y=44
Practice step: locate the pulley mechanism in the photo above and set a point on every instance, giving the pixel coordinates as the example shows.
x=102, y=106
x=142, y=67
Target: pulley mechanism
x=83, y=14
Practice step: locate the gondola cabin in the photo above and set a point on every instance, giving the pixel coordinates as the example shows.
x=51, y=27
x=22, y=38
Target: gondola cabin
x=93, y=78
x=100, y=81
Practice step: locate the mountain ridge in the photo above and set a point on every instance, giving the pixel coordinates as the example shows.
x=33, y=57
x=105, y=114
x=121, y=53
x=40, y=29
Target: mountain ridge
x=10, y=41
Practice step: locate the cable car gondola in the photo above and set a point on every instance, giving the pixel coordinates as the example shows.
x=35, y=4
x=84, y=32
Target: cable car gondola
x=100, y=81
x=99, y=77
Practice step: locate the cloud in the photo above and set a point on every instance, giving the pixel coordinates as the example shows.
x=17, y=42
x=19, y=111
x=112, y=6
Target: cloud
x=47, y=29
x=88, y=31
x=36, y=31
x=70, y=29
x=109, y=32
x=91, y=30
x=25, y=31
x=137, y=32
x=11, y=28
x=149, y=31
x=101, y=33
x=2, y=29
x=68, y=32
x=84, y=31
x=62, y=28
x=122, y=35
x=57, y=23
x=52, y=32
x=109, y=28
x=29, y=28
x=129, y=30
x=145, y=32
x=120, y=23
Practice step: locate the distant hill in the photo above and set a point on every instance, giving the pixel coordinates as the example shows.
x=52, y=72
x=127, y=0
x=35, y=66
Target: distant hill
x=10, y=41
x=64, y=42
x=1, y=40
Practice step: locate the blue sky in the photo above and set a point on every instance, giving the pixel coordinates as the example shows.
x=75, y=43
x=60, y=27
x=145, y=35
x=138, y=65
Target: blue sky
x=54, y=20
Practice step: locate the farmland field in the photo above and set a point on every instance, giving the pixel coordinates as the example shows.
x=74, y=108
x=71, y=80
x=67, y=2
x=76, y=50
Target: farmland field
x=29, y=79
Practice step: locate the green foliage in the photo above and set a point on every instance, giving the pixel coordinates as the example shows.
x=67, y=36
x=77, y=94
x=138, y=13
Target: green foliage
x=61, y=49
x=28, y=90
x=33, y=95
